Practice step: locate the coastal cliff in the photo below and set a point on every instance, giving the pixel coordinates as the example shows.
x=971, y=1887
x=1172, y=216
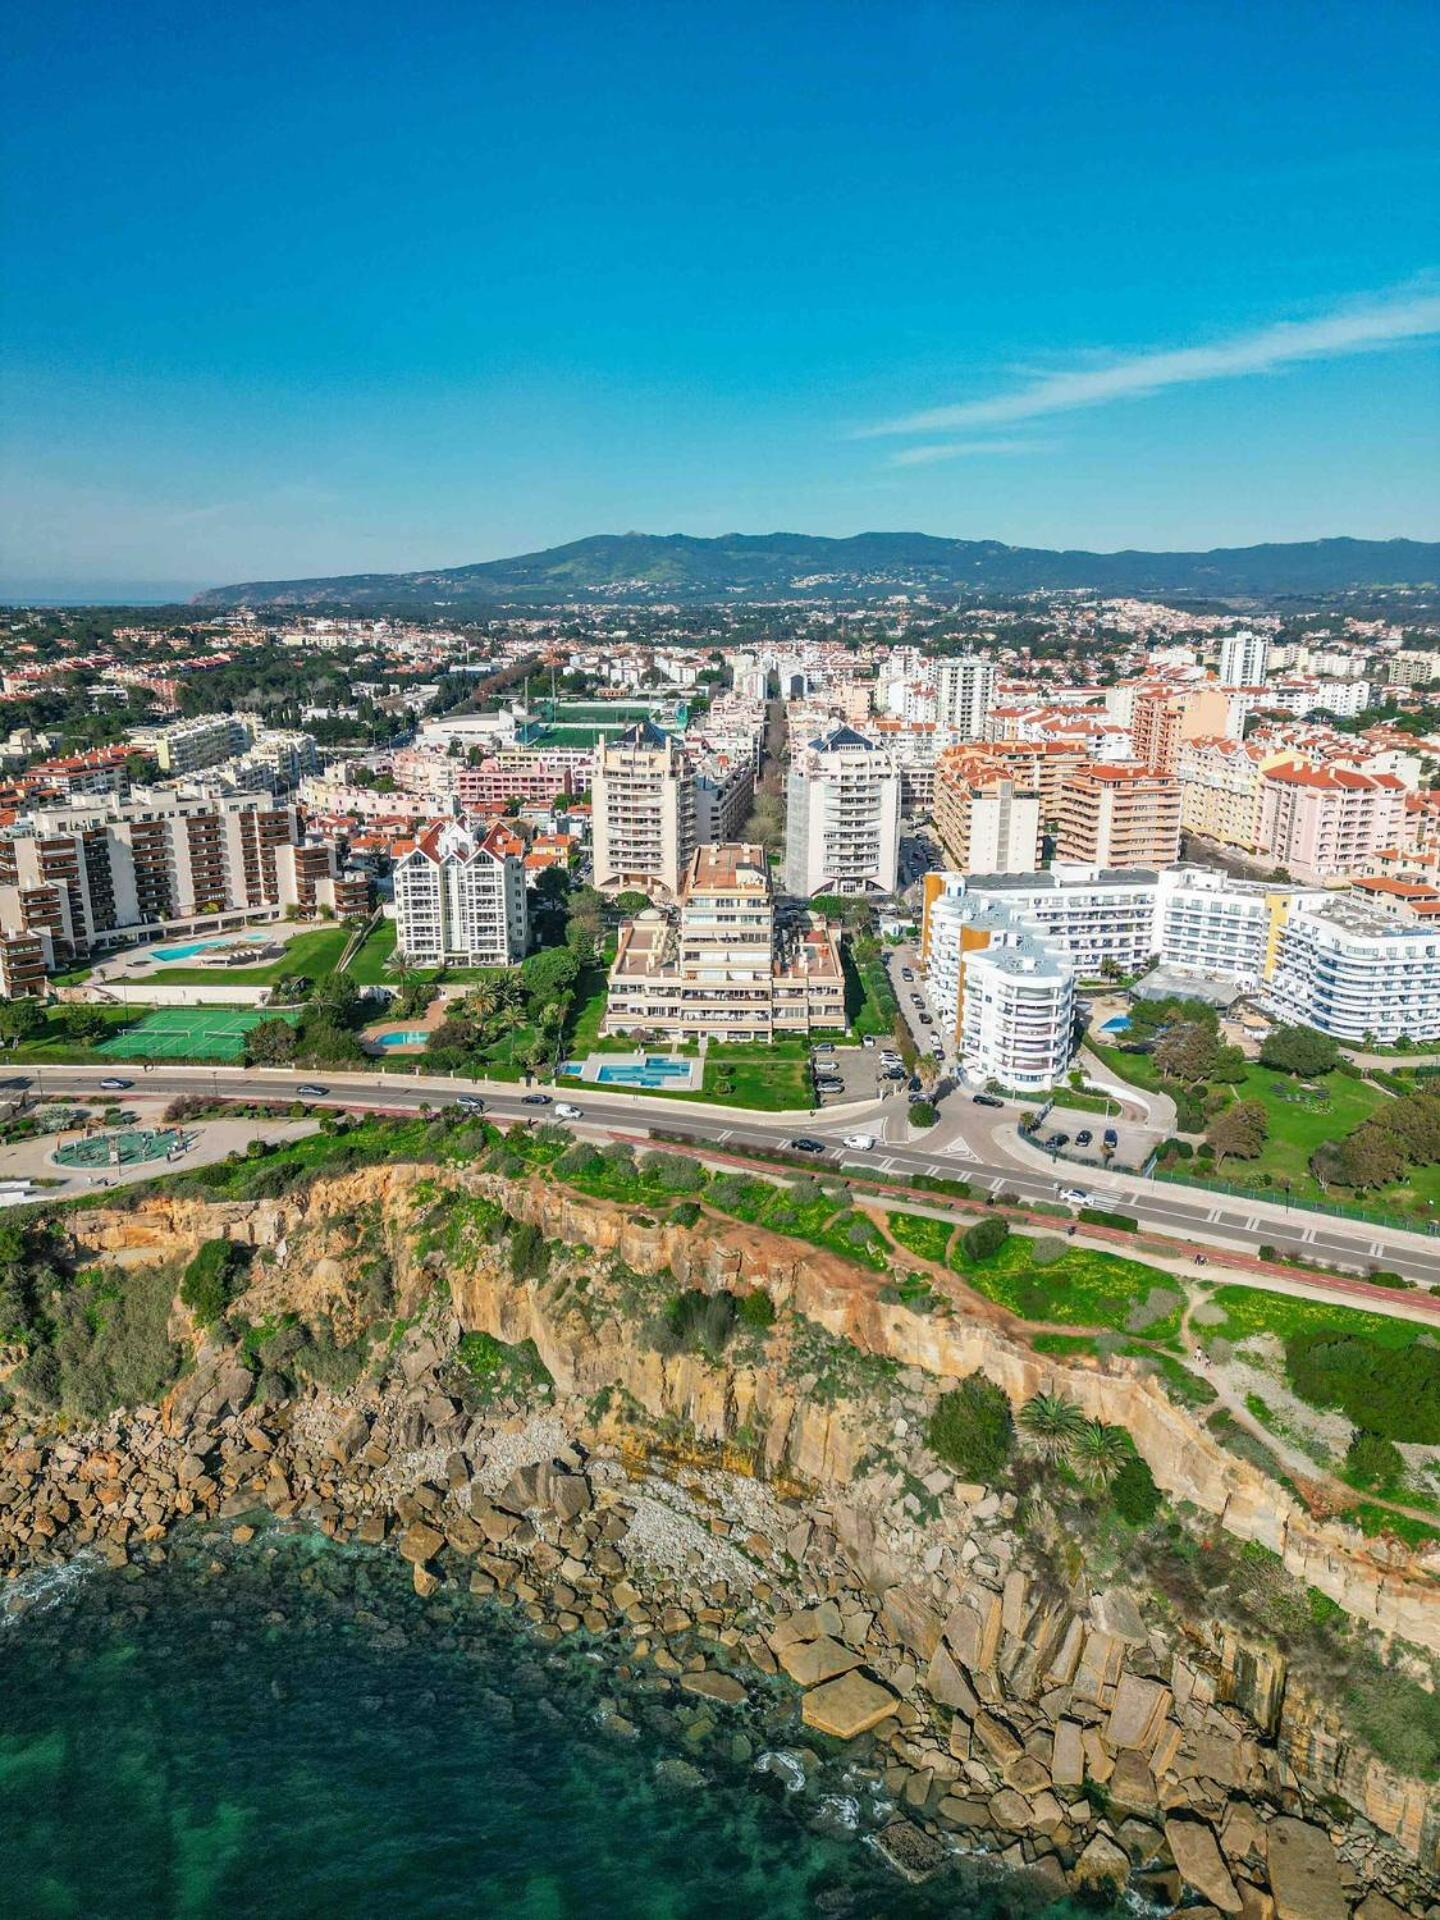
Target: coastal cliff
x=1046, y=1700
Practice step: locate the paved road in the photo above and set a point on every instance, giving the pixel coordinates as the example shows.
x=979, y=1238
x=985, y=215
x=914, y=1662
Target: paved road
x=960, y=1149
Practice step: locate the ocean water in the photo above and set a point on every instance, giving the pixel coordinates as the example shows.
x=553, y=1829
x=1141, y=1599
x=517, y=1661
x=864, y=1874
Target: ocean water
x=284, y=1729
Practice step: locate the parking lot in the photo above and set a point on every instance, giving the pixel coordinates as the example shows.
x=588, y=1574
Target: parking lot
x=858, y=1070
x=914, y=1001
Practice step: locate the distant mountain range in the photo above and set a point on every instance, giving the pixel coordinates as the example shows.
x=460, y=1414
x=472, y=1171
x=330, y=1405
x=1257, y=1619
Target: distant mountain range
x=783, y=566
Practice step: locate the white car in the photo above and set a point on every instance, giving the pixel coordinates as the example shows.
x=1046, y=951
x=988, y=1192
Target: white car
x=564, y=1111
x=860, y=1142
x=1075, y=1196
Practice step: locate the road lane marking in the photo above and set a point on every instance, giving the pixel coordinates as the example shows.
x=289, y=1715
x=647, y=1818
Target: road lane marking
x=728, y=1134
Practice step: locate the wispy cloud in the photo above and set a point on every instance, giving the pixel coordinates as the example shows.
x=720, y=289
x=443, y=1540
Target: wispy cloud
x=926, y=456
x=1358, y=328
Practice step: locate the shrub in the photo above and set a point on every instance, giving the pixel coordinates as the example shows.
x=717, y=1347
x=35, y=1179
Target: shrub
x=1372, y=1461
x=529, y=1252
x=695, y=1322
x=207, y=1286
x=972, y=1431
x=685, y=1213
x=1299, y=1050
x=757, y=1310
x=1045, y=1251
x=1136, y=1496
x=985, y=1238
x=1395, y=1395
x=923, y=1113
x=672, y=1172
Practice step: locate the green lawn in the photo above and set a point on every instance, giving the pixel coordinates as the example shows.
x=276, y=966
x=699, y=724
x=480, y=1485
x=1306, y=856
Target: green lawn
x=766, y=1079
x=367, y=968
x=314, y=954
x=1136, y=1068
x=1082, y=1288
x=53, y=1045
x=1249, y=1310
x=930, y=1239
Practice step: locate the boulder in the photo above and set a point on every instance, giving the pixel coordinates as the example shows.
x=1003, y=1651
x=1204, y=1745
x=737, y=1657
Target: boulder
x=848, y=1706
x=1102, y=1864
x=420, y=1543
x=1136, y=1715
x=910, y=1851
x=946, y=1683
x=1304, y=1872
x=912, y=1620
x=1197, y=1855
x=1067, y=1766
x=809, y=1662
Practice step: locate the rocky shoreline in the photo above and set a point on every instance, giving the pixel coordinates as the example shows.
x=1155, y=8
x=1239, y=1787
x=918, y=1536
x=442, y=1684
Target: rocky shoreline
x=1057, y=1730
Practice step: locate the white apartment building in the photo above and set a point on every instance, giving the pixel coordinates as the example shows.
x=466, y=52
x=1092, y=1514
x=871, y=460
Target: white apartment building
x=842, y=817
x=460, y=898
x=643, y=812
x=964, y=694
x=1354, y=972
x=95, y=873
x=191, y=745
x=1414, y=667
x=1004, y=990
x=1244, y=659
x=1095, y=914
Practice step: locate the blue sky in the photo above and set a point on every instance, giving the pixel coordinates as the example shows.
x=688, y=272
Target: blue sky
x=301, y=288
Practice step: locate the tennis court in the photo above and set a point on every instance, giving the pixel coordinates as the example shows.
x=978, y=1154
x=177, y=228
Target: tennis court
x=191, y=1033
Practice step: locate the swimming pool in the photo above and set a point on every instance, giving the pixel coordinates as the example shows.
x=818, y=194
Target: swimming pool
x=1118, y=1024
x=192, y=947
x=411, y=1037
x=645, y=1073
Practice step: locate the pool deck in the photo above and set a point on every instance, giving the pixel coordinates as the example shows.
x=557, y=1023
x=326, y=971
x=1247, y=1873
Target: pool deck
x=589, y=1069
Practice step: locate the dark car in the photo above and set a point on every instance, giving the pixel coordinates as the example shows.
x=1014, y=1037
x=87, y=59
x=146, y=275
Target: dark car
x=1056, y=1141
x=892, y=1073
x=986, y=1100
x=803, y=1144
x=111, y=1085
x=309, y=1090
x=1112, y=1138
x=1084, y=1137
x=926, y=1019
x=535, y=1100
x=917, y=999
x=906, y=973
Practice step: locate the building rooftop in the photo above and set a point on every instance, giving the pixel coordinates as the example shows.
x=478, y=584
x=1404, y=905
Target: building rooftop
x=731, y=865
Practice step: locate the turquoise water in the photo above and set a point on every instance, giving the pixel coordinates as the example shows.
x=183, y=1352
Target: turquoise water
x=192, y=947
x=651, y=1073
x=1117, y=1024
x=284, y=1730
x=416, y=1038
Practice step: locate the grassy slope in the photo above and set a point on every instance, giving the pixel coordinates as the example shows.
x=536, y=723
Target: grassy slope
x=315, y=954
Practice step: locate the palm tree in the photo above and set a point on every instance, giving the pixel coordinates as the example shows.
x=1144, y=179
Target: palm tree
x=1051, y=1425
x=1099, y=1452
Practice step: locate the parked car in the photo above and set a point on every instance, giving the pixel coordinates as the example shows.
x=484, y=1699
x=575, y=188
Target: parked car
x=867, y=1040
x=860, y=1142
x=926, y=1019
x=917, y=999
x=1112, y=1138
x=907, y=973
x=1084, y=1137
x=307, y=1090
x=897, y=1072
x=110, y=1084
x=535, y=1100
x=825, y=1046
x=987, y=1100
x=565, y=1111
x=802, y=1143
x=470, y=1103
x=1075, y=1196
x=830, y=1086
x=1056, y=1141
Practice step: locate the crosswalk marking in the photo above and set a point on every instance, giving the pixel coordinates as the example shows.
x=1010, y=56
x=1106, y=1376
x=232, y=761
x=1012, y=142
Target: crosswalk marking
x=963, y=1149
x=728, y=1134
x=1213, y=1215
x=886, y=1165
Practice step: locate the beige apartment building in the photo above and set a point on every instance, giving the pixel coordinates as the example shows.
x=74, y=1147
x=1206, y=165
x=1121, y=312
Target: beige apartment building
x=1164, y=718
x=1220, y=789
x=988, y=820
x=643, y=813
x=1119, y=816
x=724, y=964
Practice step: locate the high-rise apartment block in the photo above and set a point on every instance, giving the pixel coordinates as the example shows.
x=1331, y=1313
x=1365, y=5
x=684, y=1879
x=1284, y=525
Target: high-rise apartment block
x=1326, y=823
x=1119, y=816
x=964, y=694
x=1244, y=659
x=987, y=819
x=460, y=898
x=842, y=817
x=643, y=813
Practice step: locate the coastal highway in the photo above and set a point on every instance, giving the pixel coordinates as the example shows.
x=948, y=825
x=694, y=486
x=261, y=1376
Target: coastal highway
x=1201, y=1219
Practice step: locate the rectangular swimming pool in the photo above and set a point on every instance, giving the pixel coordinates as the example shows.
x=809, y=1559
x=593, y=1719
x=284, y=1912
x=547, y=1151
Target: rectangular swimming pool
x=192, y=947
x=645, y=1073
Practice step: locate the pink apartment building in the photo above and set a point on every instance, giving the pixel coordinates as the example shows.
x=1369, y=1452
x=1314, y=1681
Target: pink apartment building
x=1324, y=824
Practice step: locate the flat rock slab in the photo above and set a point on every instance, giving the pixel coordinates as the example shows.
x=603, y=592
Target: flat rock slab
x=723, y=1687
x=809, y=1662
x=1197, y=1855
x=1304, y=1873
x=848, y=1706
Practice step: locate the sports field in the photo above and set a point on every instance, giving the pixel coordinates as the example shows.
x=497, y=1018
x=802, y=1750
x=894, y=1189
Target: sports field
x=191, y=1033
